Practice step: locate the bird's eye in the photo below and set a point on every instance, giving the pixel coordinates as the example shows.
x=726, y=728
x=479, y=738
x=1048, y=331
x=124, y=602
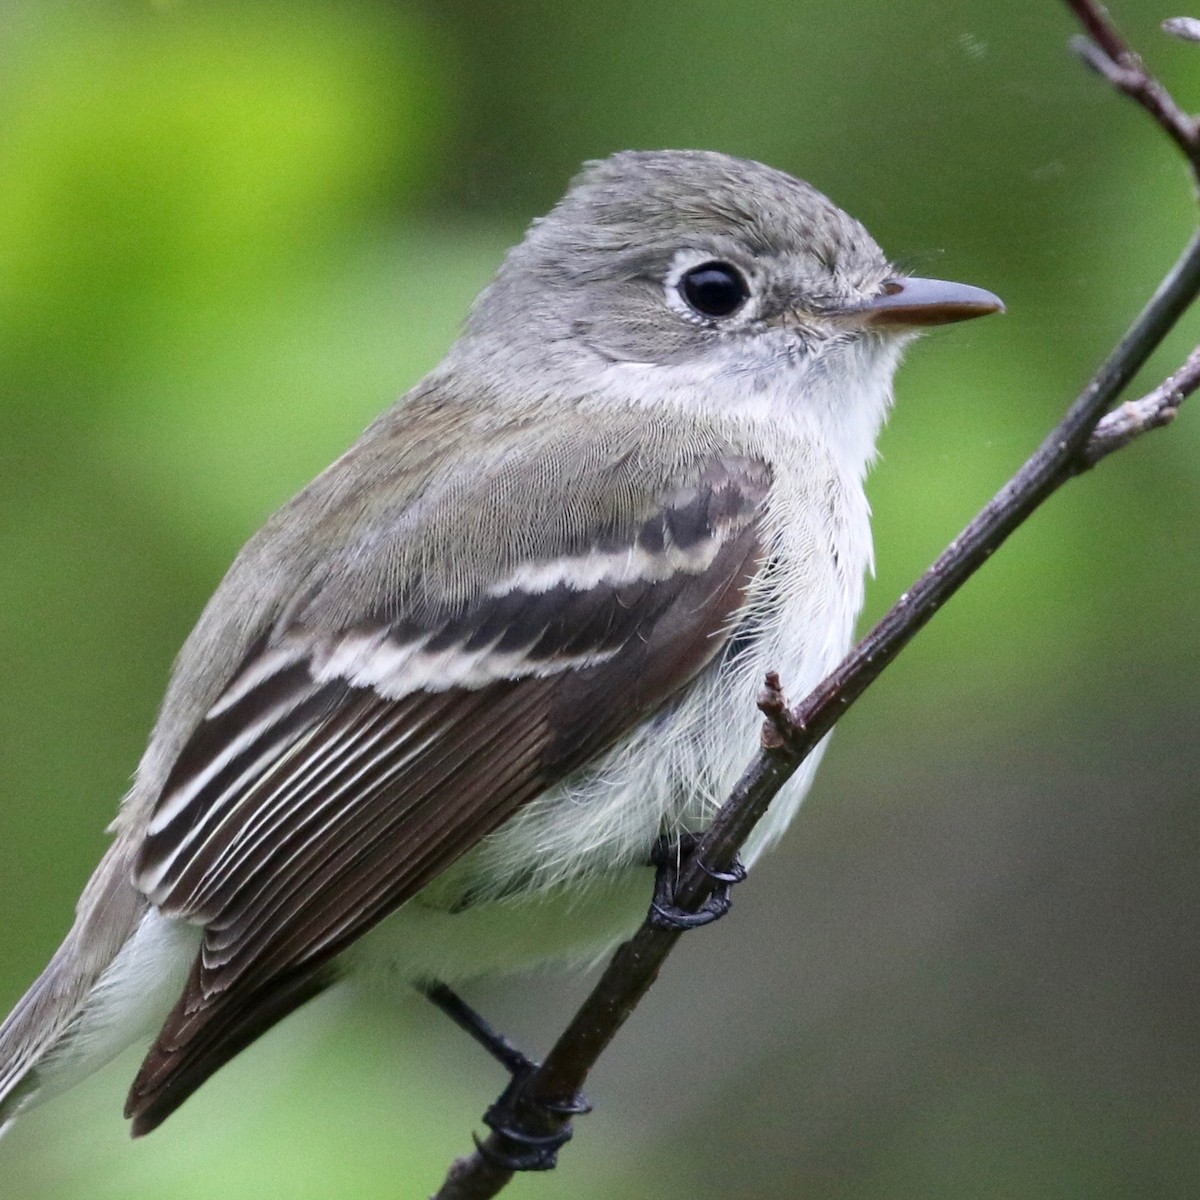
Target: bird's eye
x=714, y=289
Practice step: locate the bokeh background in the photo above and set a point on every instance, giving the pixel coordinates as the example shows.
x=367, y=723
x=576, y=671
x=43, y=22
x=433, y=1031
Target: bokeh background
x=231, y=233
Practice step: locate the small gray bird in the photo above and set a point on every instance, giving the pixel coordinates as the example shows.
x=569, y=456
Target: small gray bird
x=446, y=703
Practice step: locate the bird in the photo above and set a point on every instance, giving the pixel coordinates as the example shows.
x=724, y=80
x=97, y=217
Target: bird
x=444, y=706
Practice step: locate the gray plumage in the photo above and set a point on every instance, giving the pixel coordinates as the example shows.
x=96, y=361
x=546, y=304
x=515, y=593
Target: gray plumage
x=439, y=710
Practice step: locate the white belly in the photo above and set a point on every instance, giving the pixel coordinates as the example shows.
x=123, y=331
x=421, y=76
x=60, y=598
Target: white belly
x=575, y=926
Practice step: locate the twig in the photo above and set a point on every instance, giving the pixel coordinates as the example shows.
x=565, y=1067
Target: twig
x=1081, y=439
x=777, y=731
x=1098, y=26
x=1106, y=51
x=1135, y=417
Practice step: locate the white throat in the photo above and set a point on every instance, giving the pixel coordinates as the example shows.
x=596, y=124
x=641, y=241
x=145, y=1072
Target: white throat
x=837, y=401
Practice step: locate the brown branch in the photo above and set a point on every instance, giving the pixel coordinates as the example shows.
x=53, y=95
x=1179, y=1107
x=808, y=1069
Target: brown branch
x=1135, y=417
x=1083, y=437
x=1098, y=26
x=1106, y=51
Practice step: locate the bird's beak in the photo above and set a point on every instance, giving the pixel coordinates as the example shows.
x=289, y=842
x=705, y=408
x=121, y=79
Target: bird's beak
x=918, y=303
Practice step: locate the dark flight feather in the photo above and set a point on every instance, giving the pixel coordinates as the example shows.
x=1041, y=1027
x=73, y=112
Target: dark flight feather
x=288, y=842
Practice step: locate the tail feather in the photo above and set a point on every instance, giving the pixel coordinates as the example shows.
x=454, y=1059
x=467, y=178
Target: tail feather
x=45, y=1017
x=186, y=1054
x=20, y=1050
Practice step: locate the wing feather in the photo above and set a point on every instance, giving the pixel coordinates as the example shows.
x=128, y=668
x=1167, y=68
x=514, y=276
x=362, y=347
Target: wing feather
x=340, y=772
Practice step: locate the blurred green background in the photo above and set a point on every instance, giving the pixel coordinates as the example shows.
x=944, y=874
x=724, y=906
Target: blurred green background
x=231, y=233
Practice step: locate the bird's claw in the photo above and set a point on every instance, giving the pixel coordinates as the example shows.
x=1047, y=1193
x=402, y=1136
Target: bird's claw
x=664, y=912
x=532, y=1151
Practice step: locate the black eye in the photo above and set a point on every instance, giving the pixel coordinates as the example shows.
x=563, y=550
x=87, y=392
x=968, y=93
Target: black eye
x=714, y=289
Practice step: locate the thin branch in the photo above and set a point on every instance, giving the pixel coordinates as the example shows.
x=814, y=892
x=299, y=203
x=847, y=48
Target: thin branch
x=1081, y=439
x=1099, y=27
x=1106, y=51
x=1135, y=417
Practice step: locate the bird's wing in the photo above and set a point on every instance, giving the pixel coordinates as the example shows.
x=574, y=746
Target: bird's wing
x=339, y=772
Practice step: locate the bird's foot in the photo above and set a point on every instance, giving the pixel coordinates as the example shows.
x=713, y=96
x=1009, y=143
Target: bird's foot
x=667, y=855
x=523, y=1149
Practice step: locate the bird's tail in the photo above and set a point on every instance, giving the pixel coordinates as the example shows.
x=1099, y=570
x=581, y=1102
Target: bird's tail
x=44, y=1019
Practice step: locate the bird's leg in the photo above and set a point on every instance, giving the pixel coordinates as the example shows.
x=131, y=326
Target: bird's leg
x=669, y=851
x=534, y=1151
x=514, y=1060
